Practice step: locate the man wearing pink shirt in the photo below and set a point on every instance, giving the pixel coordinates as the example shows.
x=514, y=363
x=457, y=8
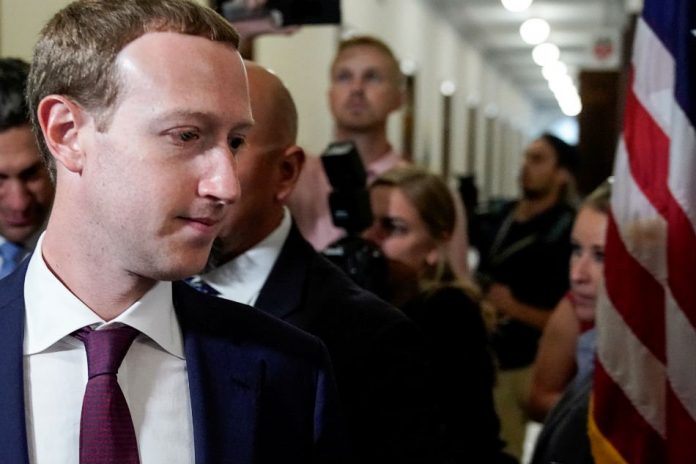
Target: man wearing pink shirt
x=366, y=87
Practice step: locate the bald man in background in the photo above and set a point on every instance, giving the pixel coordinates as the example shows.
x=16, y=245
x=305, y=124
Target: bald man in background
x=261, y=259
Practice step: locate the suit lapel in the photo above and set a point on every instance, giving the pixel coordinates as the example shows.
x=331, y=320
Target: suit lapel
x=283, y=291
x=13, y=438
x=224, y=381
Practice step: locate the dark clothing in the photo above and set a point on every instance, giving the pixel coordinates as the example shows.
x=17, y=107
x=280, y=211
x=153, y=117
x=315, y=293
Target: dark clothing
x=463, y=374
x=261, y=390
x=531, y=258
x=378, y=355
x=564, y=438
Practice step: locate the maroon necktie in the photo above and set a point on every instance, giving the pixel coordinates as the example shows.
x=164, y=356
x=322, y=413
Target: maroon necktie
x=106, y=428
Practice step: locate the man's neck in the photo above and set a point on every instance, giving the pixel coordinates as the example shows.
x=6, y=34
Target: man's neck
x=528, y=208
x=240, y=245
x=372, y=146
x=107, y=291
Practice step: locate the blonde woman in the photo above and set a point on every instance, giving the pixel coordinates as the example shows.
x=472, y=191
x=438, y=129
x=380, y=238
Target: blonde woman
x=414, y=217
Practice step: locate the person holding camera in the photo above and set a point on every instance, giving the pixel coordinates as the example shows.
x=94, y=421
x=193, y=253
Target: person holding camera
x=261, y=259
x=366, y=87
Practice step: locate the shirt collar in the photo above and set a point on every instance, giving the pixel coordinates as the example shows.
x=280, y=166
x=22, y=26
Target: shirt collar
x=55, y=312
x=242, y=278
x=385, y=162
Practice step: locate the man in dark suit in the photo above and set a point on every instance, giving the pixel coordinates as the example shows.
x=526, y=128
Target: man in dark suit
x=263, y=260
x=142, y=106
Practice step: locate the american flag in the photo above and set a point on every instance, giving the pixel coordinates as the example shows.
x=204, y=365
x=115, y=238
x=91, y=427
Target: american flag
x=643, y=407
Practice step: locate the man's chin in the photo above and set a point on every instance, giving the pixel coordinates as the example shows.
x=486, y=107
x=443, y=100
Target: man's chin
x=18, y=234
x=531, y=194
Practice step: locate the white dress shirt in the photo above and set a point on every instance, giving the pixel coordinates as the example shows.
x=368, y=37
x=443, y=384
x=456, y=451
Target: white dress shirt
x=152, y=376
x=242, y=278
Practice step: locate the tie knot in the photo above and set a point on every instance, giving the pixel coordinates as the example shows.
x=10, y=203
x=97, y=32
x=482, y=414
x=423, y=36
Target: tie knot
x=105, y=348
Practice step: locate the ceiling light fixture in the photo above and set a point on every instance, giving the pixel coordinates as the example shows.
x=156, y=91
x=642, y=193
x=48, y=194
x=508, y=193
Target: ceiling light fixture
x=408, y=67
x=516, y=5
x=545, y=53
x=554, y=70
x=447, y=88
x=535, y=31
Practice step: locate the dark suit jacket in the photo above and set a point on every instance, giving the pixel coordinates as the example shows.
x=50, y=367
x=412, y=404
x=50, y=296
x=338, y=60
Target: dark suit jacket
x=376, y=352
x=261, y=390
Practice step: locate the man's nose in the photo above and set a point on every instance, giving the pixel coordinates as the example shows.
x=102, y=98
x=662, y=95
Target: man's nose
x=15, y=195
x=357, y=86
x=220, y=181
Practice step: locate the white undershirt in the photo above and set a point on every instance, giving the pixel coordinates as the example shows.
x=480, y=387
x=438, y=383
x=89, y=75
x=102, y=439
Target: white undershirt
x=152, y=376
x=242, y=278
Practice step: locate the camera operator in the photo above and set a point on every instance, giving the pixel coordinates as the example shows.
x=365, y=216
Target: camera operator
x=366, y=87
x=262, y=260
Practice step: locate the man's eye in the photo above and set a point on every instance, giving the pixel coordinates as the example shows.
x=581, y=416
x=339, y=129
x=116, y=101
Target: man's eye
x=236, y=143
x=187, y=136
x=342, y=77
x=373, y=76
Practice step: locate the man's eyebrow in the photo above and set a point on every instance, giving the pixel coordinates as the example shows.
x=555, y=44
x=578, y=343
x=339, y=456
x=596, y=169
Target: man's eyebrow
x=206, y=117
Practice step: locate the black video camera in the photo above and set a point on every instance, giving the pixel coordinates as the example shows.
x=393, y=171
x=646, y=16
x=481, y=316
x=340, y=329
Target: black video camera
x=284, y=12
x=349, y=202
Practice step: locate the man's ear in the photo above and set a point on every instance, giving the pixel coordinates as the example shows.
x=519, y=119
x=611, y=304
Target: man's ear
x=290, y=165
x=563, y=176
x=60, y=120
x=399, y=97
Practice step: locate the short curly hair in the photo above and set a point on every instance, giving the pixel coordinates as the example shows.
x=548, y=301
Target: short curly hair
x=13, y=82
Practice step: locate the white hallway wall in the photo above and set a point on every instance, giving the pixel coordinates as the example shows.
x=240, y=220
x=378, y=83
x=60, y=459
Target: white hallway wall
x=413, y=30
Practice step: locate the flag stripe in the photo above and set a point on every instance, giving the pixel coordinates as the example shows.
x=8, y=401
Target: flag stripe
x=648, y=326
x=648, y=149
x=622, y=425
x=681, y=346
x=630, y=207
x=630, y=364
x=682, y=428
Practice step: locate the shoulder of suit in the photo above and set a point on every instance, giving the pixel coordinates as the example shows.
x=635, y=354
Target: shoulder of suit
x=210, y=316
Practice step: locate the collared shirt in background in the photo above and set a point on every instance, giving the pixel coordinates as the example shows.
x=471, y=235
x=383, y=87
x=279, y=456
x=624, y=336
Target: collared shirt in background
x=242, y=278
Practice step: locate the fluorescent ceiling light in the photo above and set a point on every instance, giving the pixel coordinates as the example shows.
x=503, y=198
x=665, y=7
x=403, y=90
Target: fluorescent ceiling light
x=554, y=70
x=516, y=5
x=535, y=31
x=545, y=53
